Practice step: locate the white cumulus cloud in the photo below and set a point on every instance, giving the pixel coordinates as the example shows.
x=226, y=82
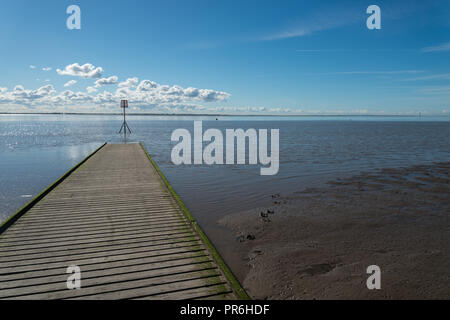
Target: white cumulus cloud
x=129, y=83
x=21, y=96
x=106, y=81
x=91, y=89
x=145, y=94
x=146, y=85
x=87, y=70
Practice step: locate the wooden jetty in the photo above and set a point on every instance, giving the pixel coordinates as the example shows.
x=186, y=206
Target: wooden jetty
x=117, y=218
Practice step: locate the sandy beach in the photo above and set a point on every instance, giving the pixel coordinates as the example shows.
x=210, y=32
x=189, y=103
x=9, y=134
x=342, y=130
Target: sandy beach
x=317, y=243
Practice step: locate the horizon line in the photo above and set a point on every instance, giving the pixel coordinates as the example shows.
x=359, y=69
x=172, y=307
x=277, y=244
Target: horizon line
x=419, y=114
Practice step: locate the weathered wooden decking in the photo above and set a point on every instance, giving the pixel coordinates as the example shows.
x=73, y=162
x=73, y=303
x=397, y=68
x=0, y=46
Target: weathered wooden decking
x=115, y=219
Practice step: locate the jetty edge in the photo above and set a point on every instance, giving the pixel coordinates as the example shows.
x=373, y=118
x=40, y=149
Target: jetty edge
x=234, y=283
x=8, y=222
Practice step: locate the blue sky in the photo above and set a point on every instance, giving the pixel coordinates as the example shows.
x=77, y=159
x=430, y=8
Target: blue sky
x=294, y=57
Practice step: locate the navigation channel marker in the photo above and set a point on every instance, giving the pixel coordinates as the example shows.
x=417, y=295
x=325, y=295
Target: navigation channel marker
x=124, y=127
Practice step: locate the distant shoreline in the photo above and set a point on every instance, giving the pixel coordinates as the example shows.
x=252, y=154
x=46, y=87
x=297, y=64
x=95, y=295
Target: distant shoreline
x=222, y=115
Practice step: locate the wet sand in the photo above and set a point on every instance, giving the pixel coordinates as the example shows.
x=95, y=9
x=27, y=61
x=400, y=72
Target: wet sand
x=317, y=243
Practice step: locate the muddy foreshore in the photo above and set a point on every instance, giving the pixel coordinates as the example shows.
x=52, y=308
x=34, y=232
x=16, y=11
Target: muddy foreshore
x=318, y=242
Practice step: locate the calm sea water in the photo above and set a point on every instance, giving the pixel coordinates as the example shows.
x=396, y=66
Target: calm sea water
x=36, y=149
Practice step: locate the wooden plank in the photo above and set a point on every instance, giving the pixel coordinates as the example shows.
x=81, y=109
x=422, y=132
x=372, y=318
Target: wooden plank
x=56, y=235
x=97, y=272
x=114, y=218
x=87, y=258
x=38, y=258
x=106, y=265
x=108, y=281
x=109, y=226
x=177, y=288
x=69, y=242
x=79, y=233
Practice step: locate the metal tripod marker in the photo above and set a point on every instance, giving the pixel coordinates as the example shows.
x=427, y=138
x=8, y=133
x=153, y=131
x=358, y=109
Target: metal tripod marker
x=124, y=127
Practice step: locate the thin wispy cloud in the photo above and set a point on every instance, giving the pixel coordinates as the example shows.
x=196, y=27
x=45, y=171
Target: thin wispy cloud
x=438, y=48
x=292, y=33
x=70, y=83
x=387, y=72
x=353, y=50
x=331, y=17
x=337, y=16
x=436, y=90
x=443, y=76
x=318, y=23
